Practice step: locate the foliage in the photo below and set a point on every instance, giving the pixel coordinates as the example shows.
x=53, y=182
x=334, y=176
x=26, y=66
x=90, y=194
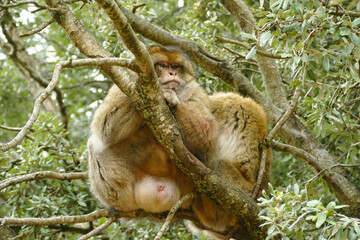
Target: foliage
x=319, y=52
x=290, y=213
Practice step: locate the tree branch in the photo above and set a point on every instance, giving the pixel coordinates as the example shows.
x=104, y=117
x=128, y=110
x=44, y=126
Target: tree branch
x=55, y=220
x=41, y=175
x=39, y=29
x=285, y=117
x=98, y=229
x=268, y=66
x=171, y=214
x=52, y=85
x=247, y=47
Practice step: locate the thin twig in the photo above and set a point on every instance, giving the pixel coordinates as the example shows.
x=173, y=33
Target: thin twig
x=171, y=214
x=261, y=173
x=285, y=117
x=342, y=13
x=99, y=229
x=269, y=138
x=297, y=152
x=17, y=130
x=23, y=235
x=138, y=6
x=265, y=54
x=41, y=175
x=40, y=28
x=323, y=170
x=299, y=218
x=55, y=220
x=41, y=7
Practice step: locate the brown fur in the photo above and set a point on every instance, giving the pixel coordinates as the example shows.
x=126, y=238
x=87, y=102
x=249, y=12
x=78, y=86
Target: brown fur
x=128, y=169
x=125, y=159
x=243, y=127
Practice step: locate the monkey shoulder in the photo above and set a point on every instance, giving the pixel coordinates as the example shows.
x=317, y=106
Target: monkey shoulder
x=240, y=112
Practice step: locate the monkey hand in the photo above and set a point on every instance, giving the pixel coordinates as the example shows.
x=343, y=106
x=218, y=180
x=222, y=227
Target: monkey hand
x=170, y=97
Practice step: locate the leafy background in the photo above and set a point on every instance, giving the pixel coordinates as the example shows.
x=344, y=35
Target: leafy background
x=319, y=53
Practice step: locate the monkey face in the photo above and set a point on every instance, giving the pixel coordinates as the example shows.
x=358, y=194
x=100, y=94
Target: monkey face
x=170, y=75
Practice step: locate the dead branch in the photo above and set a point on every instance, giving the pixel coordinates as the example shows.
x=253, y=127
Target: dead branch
x=41, y=175
x=172, y=213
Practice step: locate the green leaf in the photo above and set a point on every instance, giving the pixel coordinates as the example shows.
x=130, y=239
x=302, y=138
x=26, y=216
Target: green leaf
x=355, y=23
x=331, y=206
x=326, y=63
x=252, y=53
x=261, y=3
x=354, y=73
x=321, y=219
x=347, y=50
x=271, y=229
x=310, y=73
x=299, y=235
x=264, y=37
x=247, y=35
x=354, y=38
x=296, y=189
x=344, y=31
x=313, y=203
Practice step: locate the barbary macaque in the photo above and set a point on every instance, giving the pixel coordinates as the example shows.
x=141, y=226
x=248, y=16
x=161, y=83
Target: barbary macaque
x=129, y=170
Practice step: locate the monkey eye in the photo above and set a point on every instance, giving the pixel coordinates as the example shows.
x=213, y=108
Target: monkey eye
x=174, y=67
x=163, y=65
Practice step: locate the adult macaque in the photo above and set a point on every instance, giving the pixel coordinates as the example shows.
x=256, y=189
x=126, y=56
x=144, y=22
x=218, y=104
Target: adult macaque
x=128, y=169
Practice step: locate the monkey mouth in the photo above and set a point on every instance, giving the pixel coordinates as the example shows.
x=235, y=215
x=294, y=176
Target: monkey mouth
x=172, y=84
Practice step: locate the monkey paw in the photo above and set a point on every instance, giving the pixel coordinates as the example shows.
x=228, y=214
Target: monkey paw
x=170, y=97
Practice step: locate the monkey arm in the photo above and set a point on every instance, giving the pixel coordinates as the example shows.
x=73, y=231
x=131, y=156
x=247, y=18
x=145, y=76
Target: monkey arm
x=198, y=125
x=116, y=119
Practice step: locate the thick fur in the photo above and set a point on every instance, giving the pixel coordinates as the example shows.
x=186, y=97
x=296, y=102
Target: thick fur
x=128, y=169
x=243, y=127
